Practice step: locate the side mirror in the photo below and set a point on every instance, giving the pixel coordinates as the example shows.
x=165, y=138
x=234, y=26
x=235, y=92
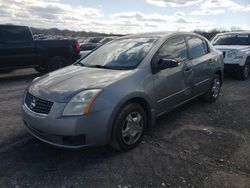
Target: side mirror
x=167, y=63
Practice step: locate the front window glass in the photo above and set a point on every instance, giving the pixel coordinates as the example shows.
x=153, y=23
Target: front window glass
x=174, y=48
x=197, y=47
x=120, y=54
x=229, y=39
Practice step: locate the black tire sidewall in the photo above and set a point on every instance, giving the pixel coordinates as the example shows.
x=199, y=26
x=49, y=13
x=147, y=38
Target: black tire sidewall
x=242, y=72
x=118, y=142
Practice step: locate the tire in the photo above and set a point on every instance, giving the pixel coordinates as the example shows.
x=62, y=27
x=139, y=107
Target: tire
x=41, y=69
x=57, y=63
x=214, y=91
x=244, y=72
x=129, y=127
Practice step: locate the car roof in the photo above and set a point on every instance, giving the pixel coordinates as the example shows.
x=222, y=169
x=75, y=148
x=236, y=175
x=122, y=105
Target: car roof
x=10, y=25
x=235, y=32
x=161, y=34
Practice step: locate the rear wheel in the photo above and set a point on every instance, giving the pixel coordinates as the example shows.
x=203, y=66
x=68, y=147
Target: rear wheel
x=57, y=63
x=214, y=90
x=244, y=72
x=129, y=127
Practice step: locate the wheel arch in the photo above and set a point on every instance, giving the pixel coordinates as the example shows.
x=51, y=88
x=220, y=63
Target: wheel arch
x=139, y=99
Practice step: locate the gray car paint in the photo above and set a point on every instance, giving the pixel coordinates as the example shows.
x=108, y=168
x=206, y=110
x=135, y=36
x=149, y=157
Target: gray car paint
x=162, y=91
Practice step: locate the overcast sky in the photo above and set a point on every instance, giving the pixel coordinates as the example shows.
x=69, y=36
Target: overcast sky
x=127, y=16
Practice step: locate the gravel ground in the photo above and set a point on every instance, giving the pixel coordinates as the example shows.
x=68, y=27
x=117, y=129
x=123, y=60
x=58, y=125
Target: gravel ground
x=197, y=145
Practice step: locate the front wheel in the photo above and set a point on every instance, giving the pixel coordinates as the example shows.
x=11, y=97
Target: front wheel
x=129, y=127
x=214, y=90
x=244, y=72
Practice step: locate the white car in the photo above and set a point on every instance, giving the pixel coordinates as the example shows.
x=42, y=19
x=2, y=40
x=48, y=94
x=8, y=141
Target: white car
x=236, y=52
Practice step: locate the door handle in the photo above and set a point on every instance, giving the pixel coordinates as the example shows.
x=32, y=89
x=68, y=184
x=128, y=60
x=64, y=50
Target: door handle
x=188, y=69
x=210, y=61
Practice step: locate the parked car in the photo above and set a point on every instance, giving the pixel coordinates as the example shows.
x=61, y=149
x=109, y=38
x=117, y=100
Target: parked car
x=236, y=51
x=94, y=40
x=115, y=93
x=90, y=44
x=87, y=48
x=106, y=40
x=18, y=50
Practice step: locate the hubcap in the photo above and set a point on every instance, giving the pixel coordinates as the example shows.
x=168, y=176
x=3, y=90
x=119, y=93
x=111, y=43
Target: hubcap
x=132, y=128
x=246, y=71
x=216, y=87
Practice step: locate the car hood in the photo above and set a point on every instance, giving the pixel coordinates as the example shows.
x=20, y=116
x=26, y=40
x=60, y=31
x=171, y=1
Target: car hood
x=63, y=84
x=232, y=47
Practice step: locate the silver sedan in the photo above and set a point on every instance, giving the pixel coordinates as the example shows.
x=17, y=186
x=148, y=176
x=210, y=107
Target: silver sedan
x=113, y=94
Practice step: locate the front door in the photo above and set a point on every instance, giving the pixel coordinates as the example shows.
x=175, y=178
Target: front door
x=173, y=85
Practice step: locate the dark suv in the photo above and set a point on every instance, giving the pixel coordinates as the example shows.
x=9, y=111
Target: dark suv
x=18, y=49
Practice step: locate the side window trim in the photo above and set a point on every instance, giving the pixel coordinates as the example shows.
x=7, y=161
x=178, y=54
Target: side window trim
x=208, y=50
x=188, y=47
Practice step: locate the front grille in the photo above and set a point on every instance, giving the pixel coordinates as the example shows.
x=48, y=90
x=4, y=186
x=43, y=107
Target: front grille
x=38, y=105
x=224, y=54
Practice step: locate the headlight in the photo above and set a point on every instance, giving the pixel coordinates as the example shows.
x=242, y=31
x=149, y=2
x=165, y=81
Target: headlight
x=239, y=57
x=81, y=103
x=231, y=54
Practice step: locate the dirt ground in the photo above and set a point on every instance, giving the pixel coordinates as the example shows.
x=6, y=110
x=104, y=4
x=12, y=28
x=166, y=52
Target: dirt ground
x=197, y=145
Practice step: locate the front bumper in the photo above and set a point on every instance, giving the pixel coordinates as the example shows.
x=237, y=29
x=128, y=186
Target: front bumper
x=232, y=68
x=69, y=132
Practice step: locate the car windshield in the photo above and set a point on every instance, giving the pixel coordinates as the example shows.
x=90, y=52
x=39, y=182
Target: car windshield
x=239, y=39
x=119, y=54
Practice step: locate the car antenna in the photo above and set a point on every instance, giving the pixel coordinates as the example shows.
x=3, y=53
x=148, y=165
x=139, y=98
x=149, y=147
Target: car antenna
x=179, y=28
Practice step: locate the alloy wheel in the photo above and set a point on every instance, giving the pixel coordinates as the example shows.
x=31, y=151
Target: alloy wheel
x=216, y=88
x=132, y=128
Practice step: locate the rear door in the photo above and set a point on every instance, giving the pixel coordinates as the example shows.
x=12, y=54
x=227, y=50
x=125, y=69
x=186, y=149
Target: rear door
x=202, y=61
x=19, y=48
x=173, y=85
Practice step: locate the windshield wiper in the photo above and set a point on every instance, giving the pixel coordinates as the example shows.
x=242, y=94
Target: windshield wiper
x=103, y=67
x=99, y=66
x=79, y=63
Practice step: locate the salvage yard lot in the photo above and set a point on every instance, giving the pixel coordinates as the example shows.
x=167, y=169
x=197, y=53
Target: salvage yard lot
x=197, y=145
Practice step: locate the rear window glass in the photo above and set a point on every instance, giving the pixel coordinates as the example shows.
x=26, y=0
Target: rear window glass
x=17, y=33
